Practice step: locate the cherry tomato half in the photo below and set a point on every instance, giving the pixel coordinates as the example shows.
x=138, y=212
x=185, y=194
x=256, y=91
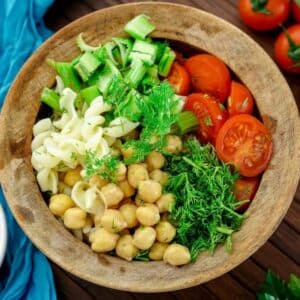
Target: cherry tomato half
x=287, y=52
x=246, y=143
x=296, y=10
x=240, y=100
x=209, y=75
x=264, y=14
x=209, y=113
x=245, y=189
x=179, y=79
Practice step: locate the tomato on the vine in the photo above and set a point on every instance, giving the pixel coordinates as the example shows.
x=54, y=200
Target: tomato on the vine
x=246, y=143
x=296, y=10
x=209, y=75
x=264, y=14
x=287, y=49
x=209, y=113
x=244, y=190
x=240, y=100
x=179, y=79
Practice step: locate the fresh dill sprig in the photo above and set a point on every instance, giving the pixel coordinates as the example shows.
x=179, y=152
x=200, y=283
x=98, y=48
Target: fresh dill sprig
x=106, y=166
x=204, y=211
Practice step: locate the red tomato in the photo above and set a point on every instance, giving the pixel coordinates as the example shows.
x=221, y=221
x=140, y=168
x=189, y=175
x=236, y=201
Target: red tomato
x=209, y=113
x=287, y=52
x=179, y=57
x=245, y=189
x=246, y=143
x=240, y=100
x=179, y=79
x=296, y=10
x=209, y=75
x=264, y=14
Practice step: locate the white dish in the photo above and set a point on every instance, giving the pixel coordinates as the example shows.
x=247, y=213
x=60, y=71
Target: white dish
x=3, y=235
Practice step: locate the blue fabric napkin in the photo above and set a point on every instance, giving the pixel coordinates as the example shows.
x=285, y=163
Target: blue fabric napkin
x=25, y=273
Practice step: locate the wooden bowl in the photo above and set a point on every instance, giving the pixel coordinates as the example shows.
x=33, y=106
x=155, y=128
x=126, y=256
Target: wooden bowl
x=183, y=24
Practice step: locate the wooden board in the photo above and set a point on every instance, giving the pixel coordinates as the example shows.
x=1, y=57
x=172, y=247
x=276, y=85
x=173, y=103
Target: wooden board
x=242, y=282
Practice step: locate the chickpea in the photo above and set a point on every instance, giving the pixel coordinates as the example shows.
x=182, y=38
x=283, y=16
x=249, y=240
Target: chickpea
x=97, y=220
x=148, y=214
x=112, y=194
x=88, y=225
x=98, y=181
x=136, y=174
x=125, y=247
x=165, y=202
x=132, y=135
x=155, y=160
x=59, y=203
x=126, y=188
x=127, y=152
x=138, y=201
x=165, y=232
x=157, y=251
x=75, y=218
x=177, y=255
x=149, y=190
x=72, y=176
x=174, y=144
x=103, y=240
x=128, y=211
x=144, y=237
x=113, y=221
x=159, y=176
x=115, y=152
x=121, y=172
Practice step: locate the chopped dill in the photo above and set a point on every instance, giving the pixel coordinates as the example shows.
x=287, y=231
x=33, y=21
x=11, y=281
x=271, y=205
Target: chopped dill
x=106, y=166
x=204, y=210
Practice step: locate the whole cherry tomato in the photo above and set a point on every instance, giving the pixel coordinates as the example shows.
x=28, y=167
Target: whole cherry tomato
x=246, y=143
x=209, y=75
x=209, y=113
x=264, y=14
x=296, y=10
x=245, y=189
x=287, y=49
x=179, y=79
x=240, y=100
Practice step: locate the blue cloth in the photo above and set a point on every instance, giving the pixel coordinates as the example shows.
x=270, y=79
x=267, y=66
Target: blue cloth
x=25, y=273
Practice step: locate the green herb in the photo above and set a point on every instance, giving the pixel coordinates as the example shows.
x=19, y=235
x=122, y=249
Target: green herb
x=260, y=6
x=106, y=166
x=143, y=255
x=275, y=288
x=204, y=208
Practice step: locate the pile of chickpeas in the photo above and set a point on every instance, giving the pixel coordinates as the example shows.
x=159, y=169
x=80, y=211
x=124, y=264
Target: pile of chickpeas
x=136, y=214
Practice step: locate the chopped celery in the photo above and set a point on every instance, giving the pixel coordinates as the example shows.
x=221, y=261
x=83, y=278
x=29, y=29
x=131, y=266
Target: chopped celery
x=186, y=122
x=161, y=46
x=110, y=46
x=83, y=46
x=67, y=73
x=139, y=27
x=145, y=51
x=93, y=79
x=75, y=60
x=125, y=46
x=150, y=79
x=87, y=65
x=136, y=72
x=144, y=57
x=106, y=76
x=166, y=61
x=51, y=98
x=90, y=93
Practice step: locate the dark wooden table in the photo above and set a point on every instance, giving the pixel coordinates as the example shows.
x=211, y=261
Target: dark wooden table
x=281, y=253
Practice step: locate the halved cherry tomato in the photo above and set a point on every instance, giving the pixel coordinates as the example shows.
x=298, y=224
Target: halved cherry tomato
x=179, y=57
x=245, y=189
x=240, y=100
x=296, y=10
x=209, y=75
x=264, y=14
x=246, y=143
x=287, y=49
x=179, y=79
x=209, y=113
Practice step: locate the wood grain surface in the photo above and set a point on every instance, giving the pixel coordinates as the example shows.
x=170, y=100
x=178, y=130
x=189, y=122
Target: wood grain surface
x=281, y=250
